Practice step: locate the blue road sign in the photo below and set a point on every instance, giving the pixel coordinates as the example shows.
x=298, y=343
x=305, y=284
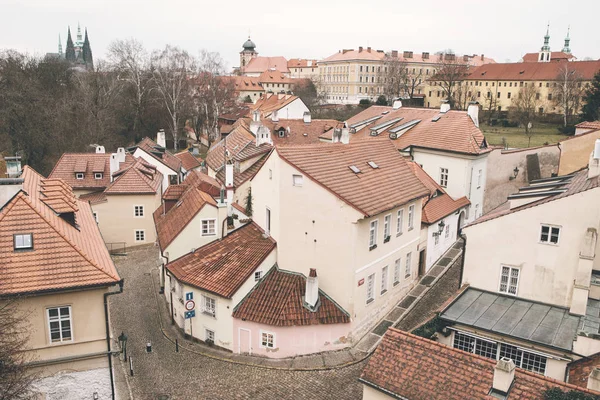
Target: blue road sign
x=189, y=296
x=190, y=314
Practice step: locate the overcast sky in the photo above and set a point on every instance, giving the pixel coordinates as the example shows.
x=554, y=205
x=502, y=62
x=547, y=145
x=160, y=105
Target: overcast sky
x=504, y=30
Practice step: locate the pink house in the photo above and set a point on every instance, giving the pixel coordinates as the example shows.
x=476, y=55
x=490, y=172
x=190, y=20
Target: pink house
x=286, y=315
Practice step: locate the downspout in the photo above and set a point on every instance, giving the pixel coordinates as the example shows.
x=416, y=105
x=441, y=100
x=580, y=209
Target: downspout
x=559, y=158
x=462, y=263
x=164, y=279
x=110, y=368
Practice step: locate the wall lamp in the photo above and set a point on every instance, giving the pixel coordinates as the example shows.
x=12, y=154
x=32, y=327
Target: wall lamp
x=515, y=173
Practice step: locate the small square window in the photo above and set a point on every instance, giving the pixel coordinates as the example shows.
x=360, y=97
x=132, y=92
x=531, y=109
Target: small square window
x=140, y=235
x=209, y=336
x=23, y=241
x=267, y=340
x=257, y=276
x=209, y=306
x=97, y=175
x=138, y=211
x=208, y=227
x=298, y=180
x=550, y=234
x=79, y=175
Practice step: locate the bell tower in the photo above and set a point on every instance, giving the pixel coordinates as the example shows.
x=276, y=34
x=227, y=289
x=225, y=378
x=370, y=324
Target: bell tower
x=567, y=48
x=247, y=54
x=544, y=55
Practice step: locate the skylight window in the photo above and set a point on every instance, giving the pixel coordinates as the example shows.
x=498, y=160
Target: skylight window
x=436, y=118
x=354, y=169
x=372, y=164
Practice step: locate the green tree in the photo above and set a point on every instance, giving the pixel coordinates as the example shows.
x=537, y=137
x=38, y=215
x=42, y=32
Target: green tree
x=364, y=103
x=381, y=101
x=591, y=108
x=249, y=203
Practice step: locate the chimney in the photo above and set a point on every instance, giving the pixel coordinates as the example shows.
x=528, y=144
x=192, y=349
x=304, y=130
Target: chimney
x=445, y=107
x=337, y=135
x=229, y=185
x=473, y=112
x=274, y=116
x=256, y=115
x=593, y=382
x=368, y=49
x=360, y=49
x=161, y=139
x=504, y=374
x=482, y=58
x=345, y=139
x=594, y=164
x=263, y=135
x=100, y=150
x=114, y=164
x=311, y=298
x=307, y=117
x=395, y=53
x=13, y=166
x=397, y=104
x=121, y=154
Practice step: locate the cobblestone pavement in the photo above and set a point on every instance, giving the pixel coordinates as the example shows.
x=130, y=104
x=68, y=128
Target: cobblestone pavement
x=166, y=374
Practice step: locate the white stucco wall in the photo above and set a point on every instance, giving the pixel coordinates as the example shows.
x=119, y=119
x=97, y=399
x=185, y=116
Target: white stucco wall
x=162, y=168
x=75, y=385
x=435, y=251
x=294, y=110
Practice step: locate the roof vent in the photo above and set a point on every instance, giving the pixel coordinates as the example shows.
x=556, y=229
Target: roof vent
x=436, y=118
x=354, y=169
x=372, y=164
x=385, y=112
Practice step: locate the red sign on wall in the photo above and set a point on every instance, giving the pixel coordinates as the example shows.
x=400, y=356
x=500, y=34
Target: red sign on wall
x=361, y=282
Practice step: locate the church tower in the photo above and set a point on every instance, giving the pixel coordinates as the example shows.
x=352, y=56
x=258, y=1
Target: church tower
x=70, y=50
x=247, y=54
x=87, y=52
x=567, y=48
x=544, y=55
x=60, y=52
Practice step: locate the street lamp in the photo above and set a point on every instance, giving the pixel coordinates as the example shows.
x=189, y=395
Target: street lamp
x=515, y=173
x=123, y=343
x=441, y=226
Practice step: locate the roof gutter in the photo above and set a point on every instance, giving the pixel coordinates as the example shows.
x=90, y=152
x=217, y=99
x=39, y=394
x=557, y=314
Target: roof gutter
x=106, y=322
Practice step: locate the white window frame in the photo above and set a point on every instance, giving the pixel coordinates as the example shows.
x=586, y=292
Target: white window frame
x=209, y=332
x=23, y=246
x=400, y=222
x=549, y=240
x=79, y=175
x=511, y=270
x=98, y=175
x=479, y=175
x=207, y=308
x=208, y=229
x=273, y=344
x=411, y=217
x=370, y=288
x=407, y=265
x=297, y=180
x=59, y=319
x=135, y=235
x=384, y=280
x=387, y=227
x=373, y=226
x=443, y=177
x=257, y=276
x=397, y=271
x=137, y=214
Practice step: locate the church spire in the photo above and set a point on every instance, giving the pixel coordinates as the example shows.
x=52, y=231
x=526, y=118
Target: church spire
x=60, y=53
x=567, y=48
x=546, y=46
x=87, y=52
x=70, y=50
x=78, y=33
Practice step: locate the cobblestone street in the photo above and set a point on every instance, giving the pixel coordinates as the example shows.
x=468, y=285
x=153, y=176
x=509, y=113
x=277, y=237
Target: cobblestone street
x=167, y=374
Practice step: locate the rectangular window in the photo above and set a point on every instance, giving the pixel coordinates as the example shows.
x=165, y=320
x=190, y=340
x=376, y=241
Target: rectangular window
x=138, y=211
x=373, y=235
x=407, y=268
x=209, y=306
x=387, y=221
x=436, y=238
x=209, y=227
x=209, y=335
x=509, y=280
x=79, y=175
x=140, y=235
x=268, y=221
x=550, y=234
x=447, y=231
x=267, y=340
x=399, y=222
x=97, y=175
x=23, y=241
x=384, y=279
x=59, y=323
x=370, y=288
x=411, y=217
x=479, y=175
x=397, y=267
x=257, y=276
x=297, y=179
x=444, y=177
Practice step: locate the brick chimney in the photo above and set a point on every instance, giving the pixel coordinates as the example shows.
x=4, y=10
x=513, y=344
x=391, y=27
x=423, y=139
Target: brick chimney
x=504, y=375
x=482, y=58
x=593, y=382
x=395, y=53
x=368, y=49
x=594, y=163
x=360, y=49
x=311, y=297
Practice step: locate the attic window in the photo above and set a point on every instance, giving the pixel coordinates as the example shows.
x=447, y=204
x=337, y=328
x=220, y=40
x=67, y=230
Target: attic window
x=79, y=175
x=521, y=72
x=97, y=175
x=372, y=164
x=385, y=112
x=23, y=241
x=354, y=169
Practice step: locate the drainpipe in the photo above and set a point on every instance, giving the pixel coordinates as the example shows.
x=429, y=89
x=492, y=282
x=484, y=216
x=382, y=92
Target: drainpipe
x=462, y=264
x=110, y=368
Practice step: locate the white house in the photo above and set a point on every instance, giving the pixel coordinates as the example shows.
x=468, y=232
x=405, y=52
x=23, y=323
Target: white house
x=280, y=106
x=156, y=154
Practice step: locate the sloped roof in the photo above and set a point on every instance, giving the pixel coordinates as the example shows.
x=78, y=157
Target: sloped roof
x=244, y=83
x=413, y=367
x=274, y=77
x=301, y=63
x=94, y=197
x=137, y=178
x=453, y=131
x=240, y=178
x=533, y=71
x=418, y=58
x=271, y=102
x=222, y=266
x=260, y=64
x=63, y=256
x=347, y=55
x=166, y=158
x=278, y=300
x=372, y=190
x=298, y=132
x=203, y=182
x=86, y=163
x=188, y=161
x=239, y=138
x=554, y=56
x=595, y=125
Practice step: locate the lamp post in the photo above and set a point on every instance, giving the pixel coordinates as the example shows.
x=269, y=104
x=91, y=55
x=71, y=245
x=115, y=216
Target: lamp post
x=441, y=226
x=123, y=343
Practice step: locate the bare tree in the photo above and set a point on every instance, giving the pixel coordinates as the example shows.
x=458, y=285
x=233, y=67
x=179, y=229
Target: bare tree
x=490, y=102
x=449, y=72
x=172, y=69
x=523, y=108
x=568, y=92
x=15, y=377
x=394, y=76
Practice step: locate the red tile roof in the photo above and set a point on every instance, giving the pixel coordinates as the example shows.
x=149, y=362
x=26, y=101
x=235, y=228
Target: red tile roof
x=168, y=159
x=245, y=83
x=203, y=182
x=412, y=367
x=137, y=178
x=274, y=77
x=222, y=266
x=589, y=125
x=301, y=63
x=64, y=256
x=533, y=71
x=188, y=161
x=296, y=131
x=554, y=56
x=419, y=58
x=278, y=300
x=271, y=102
x=240, y=178
x=261, y=64
x=453, y=131
x=371, y=191
x=88, y=163
x=94, y=197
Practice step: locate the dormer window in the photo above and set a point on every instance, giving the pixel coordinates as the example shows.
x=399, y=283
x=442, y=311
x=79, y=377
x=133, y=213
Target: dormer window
x=97, y=175
x=79, y=175
x=23, y=241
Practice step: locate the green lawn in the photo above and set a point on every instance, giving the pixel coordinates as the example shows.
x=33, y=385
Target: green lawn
x=516, y=137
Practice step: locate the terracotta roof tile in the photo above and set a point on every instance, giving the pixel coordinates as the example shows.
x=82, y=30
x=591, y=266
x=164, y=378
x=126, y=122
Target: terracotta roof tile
x=416, y=58
x=301, y=63
x=296, y=131
x=274, y=77
x=93, y=197
x=222, y=266
x=271, y=102
x=240, y=178
x=554, y=56
x=416, y=368
x=64, y=256
x=533, y=71
x=87, y=163
x=239, y=138
x=168, y=159
x=139, y=178
x=188, y=161
x=371, y=191
x=278, y=300
x=589, y=125
x=261, y=64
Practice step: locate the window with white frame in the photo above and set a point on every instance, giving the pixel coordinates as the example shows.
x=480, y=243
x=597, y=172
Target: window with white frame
x=59, y=324
x=387, y=222
x=399, y=222
x=550, y=234
x=270, y=174
x=208, y=227
x=138, y=211
x=408, y=267
x=411, y=217
x=140, y=235
x=443, y=177
x=373, y=234
x=257, y=276
x=509, y=280
x=267, y=339
x=370, y=288
x=447, y=231
x=23, y=241
x=479, y=174
x=209, y=335
x=297, y=180
x=384, y=279
x=97, y=175
x=397, y=269
x=209, y=306
x=79, y=175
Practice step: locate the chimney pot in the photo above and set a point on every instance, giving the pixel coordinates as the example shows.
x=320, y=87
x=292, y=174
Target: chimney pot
x=594, y=162
x=482, y=57
x=395, y=53
x=161, y=139
x=473, y=112
x=307, y=117
x=504, y=374
x=100, y=150
x=445, y=107
x=311, y=297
